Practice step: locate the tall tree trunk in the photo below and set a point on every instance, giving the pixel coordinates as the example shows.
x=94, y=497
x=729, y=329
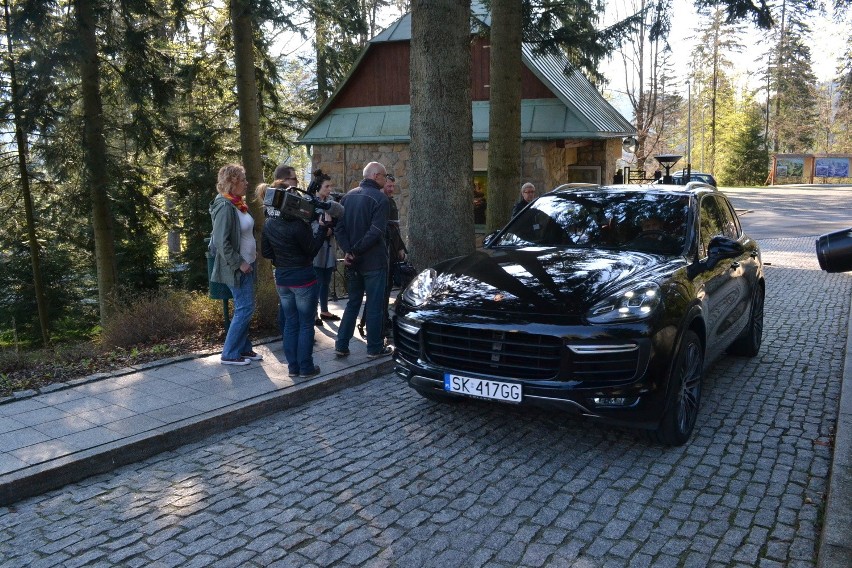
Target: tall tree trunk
x=241, y=23
x=441, y=210
x=321, y=43
x=23, y=145
x=504, y=140
x=247, y=94
x=95, y=156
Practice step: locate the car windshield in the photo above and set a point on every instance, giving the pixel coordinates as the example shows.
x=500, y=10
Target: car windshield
x=640, y=221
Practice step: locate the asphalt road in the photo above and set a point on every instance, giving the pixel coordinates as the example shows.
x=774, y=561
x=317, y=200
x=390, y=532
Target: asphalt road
x=792, y=211
x=377, y=476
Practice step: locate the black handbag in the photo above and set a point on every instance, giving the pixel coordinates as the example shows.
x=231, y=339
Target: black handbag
x=403, y=272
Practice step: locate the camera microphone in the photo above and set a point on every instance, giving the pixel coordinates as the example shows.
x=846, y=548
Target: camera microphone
x=334, y=209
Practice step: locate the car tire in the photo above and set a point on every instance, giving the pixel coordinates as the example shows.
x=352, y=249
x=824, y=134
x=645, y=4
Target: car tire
x=684, y=393
x=748, y=344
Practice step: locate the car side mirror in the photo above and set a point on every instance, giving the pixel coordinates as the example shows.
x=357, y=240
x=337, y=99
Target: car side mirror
x=723, y=247
x=720, y=248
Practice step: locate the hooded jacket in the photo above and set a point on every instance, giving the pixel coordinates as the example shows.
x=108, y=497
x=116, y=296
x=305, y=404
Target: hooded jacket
x=225, y=242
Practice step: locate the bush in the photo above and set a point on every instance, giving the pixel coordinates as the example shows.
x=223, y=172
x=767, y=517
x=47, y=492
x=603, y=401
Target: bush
x=144, y=318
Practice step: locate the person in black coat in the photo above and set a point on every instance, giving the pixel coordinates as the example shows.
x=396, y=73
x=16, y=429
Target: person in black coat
x=527, y=195
x=291, y=245
x=360, y=233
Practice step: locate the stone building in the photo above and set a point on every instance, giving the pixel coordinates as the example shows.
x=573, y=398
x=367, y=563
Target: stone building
x=569, y=131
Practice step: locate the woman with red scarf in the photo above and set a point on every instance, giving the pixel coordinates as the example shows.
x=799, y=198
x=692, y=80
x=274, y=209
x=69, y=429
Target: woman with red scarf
x=235, y=252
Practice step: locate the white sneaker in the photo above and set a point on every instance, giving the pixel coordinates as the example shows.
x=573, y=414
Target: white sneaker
x=237, y=361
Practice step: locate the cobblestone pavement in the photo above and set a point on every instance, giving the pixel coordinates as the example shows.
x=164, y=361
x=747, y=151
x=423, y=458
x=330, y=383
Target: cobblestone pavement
x=377, y=476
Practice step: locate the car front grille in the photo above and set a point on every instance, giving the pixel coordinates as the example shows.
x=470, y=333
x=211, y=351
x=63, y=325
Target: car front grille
x=517, y=355
x=493, y=352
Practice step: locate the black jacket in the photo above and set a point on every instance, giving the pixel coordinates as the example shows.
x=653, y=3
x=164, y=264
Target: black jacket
x=290, y=243
x=361, y=230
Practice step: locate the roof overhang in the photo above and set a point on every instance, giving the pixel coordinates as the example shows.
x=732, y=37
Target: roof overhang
x=541, y=119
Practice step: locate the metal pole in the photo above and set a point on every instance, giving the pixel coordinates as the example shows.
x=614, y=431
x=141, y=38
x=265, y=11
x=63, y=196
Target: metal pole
x=226, y=317
x=688, y=177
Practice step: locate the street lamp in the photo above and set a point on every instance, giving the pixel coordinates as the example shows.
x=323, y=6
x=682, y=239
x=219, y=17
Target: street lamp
x=689, y=134
x=667, y=161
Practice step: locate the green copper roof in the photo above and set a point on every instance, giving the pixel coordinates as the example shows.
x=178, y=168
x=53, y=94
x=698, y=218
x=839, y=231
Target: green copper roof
x=541, y=119
x=578, y=111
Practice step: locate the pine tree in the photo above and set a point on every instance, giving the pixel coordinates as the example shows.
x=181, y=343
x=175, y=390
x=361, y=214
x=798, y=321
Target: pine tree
x=745, y=159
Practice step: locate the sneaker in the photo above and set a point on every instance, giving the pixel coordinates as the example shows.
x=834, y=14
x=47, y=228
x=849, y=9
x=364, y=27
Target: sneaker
x=341, y=352
x=293, y=373
x=237, y=361
x=386, y=350
x=313, y=373
x=252, y=356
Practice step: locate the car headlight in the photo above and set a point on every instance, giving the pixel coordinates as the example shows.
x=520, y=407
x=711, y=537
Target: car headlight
x=636, y=303
x=419, y=290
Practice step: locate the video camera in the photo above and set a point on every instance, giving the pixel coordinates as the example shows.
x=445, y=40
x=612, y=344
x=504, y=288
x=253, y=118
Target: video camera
x=296, y=203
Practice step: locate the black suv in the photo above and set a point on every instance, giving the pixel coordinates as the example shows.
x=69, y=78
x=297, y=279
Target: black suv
x=603, y=301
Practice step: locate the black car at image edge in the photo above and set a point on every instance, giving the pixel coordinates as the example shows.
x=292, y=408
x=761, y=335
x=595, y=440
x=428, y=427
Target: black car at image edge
x=603, y=301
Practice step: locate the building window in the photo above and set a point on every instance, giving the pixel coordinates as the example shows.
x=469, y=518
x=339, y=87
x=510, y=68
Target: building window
x=480, y=197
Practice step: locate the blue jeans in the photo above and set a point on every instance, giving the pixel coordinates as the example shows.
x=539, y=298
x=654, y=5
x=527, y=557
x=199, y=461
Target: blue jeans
x=324, y=280
x=237, y=340
x=299, y=306
x=373, y=283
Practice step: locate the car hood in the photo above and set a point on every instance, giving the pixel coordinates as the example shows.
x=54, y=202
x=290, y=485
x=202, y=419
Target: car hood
x=544, y=280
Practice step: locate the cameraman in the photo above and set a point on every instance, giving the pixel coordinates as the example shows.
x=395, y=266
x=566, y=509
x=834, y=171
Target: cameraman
x=291, y=245
x=325, y=260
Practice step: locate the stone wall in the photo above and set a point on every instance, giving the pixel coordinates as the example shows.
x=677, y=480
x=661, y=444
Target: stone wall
x=345, y=164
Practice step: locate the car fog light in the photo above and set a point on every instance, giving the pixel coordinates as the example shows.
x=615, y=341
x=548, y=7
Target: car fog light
x=401, y=372
x=612, y=401
x=408, y=327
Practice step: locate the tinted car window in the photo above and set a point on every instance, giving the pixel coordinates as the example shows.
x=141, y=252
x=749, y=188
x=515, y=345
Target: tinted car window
x=732, y=226
x=713, y=222
x=646, y=222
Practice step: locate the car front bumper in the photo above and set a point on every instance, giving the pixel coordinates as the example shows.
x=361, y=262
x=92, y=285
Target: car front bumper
x=579, y=383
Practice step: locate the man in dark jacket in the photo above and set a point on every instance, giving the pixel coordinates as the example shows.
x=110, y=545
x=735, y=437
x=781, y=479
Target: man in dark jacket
x=360, y=234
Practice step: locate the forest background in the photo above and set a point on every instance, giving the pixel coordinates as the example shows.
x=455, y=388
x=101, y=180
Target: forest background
x=118, y=114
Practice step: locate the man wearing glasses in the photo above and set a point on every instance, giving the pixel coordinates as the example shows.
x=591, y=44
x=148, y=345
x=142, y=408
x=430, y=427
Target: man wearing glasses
x=527, y=195
x=360, y=234
x=287, y=174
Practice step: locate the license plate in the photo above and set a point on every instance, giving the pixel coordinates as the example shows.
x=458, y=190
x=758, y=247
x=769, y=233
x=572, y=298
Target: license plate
x=481, y=388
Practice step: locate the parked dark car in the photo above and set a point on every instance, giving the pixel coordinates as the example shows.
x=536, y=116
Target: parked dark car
x=678, y=178
x=604, y=301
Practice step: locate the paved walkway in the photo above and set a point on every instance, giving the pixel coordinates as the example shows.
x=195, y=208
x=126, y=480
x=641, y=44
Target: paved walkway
x=70, y=431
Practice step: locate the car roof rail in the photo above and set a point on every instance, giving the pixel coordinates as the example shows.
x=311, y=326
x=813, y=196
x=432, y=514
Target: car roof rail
x=699, y=185
x=576, y=185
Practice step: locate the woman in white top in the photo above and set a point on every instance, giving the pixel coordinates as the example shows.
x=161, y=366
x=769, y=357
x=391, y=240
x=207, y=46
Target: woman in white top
x=235, y=252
